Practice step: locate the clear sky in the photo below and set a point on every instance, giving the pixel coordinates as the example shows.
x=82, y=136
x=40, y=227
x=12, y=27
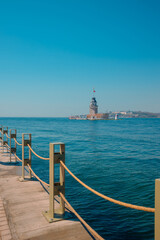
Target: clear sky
x=52, y=54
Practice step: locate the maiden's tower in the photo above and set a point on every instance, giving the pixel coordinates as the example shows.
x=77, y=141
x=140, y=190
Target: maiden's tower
x=93, y=112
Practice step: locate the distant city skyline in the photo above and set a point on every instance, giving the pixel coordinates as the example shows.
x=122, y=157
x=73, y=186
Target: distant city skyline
x=53, y=53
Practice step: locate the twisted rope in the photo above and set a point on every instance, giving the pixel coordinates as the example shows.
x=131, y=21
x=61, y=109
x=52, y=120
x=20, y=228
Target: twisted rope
x=17, y=157
x=7, y=135
x=81, y=219
x=128, y=205
x=37, y=176
x=20, y=144
x=7, y=145
x=36, y=153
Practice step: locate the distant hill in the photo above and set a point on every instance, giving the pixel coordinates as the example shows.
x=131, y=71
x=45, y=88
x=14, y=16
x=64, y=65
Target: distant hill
x=140, y=114
x=134, y=114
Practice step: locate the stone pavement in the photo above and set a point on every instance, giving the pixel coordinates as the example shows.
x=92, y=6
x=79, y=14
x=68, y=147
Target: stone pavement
x=5, y=233
x=21, y=207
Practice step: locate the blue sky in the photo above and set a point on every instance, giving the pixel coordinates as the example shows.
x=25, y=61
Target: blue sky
x=52, y=54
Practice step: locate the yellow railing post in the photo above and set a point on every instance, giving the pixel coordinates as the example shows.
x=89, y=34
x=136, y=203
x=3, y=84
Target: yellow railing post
x=157, y=209
x=23, y=170
x=6, y=138
x=56, y=187
x=4, y=141
x=30, y=156
x=62, y=179
x=1, y=128
x=15, y=144
x=25, y=161
x=13, y=149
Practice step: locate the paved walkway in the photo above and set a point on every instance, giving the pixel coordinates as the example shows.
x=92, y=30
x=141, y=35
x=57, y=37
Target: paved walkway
x=24, y=203
x=5, y=233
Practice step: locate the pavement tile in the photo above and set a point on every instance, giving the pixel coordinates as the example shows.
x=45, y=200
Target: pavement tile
x=3, y=223
x=4, y=227
x=2, y=212
x=7, y=237
x=3, y=219
x=5, y=232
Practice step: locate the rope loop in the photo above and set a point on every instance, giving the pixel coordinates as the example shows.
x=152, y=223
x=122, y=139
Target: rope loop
x=128, y=205
x=37, y=154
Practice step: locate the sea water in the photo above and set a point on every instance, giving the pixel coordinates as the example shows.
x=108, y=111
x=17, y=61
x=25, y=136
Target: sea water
x=120, y=159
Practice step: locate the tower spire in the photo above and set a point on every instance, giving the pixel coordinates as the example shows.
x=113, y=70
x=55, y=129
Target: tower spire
x=94, y=92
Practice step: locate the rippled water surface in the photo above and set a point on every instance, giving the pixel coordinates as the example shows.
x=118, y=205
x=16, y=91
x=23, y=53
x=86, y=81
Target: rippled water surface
x=120, y=159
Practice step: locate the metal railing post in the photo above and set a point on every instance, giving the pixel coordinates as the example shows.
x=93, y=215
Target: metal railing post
x=22, y=156
x=13, y=149
x=10, y=142
x=30, y=157
x=1, y=128
x=15, y=145
x=157, y=209
x=55, y=188
x=62, y=179
x=4, y=131
x=2, y=140
x=6, y=138
x=51, y=180
x=25, y=161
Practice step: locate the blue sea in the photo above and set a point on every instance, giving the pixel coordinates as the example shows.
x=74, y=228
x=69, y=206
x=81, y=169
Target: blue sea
x=120, y=159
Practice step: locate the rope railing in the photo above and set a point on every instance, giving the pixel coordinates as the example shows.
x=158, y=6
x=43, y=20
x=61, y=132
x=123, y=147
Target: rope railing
x=17, y=157
x=7, y=135
x=7, y=145
x=37, y=176
x=128, y=205
x=59, y=187
x=91, y=230
x=20, y=144
x=33, y=173
x=36, y=153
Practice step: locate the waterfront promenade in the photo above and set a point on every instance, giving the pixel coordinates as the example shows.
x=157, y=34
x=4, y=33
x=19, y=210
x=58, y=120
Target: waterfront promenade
x=21, y=207
x=33, y=209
